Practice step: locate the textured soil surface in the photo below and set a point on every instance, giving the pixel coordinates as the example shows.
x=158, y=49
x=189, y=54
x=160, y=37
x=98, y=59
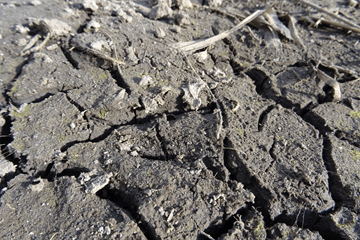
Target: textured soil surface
x=111, y=129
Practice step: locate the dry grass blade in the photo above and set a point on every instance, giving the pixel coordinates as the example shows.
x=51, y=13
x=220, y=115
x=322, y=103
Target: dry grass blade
x=188, y=47
x=276, y=24
x=337, y=17
x=336, y=24
x=294, y=32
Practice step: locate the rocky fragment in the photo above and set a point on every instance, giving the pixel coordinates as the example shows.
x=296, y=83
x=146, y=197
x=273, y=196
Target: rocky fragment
x=21, y=29
x=161, y=10
x=93, y=25
x=172, y=202
x=6, y=167
x=46, y=73
x=213, y=3
x=93, y=181
x=159, y=33
x=181, y=4
x=166, y=192
x=191, y=137
x=191, y=95
x=54, y=27
x=343, y=223
x=182, y=18
x=90, y=5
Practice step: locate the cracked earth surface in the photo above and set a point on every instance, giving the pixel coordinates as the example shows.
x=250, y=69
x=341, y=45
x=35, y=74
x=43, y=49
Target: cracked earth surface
x=109, y=132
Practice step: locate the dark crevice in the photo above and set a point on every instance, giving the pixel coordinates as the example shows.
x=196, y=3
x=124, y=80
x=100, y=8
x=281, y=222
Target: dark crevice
x=119, y=80
x=47, y=173
x=126, y=201
x=213, y=58
x=259, y=78
x=162, y=142
x=341, y=135
x=272, y=149
x=263, y=115
x=72, y=172
x=70, y=144
x=6, y=138
x=236, y=67
x=106, y=133
x=18, y=70
x=80, y=108
x=242, y=174
x=42, y=98
x=263, y=196
x=340, y=194
x=299, y=64
x=71, y=60
x=215, y=231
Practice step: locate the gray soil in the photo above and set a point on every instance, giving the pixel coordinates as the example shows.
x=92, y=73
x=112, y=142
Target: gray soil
x=109, y=131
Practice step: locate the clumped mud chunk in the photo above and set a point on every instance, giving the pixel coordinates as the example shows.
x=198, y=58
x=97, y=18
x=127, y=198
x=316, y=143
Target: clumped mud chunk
x=344, y=155
x=43, y=209
x=174, y=192
x=338, y=118
x=46, y=73
x=344, y=223
x=276, y=151
x=40, y=130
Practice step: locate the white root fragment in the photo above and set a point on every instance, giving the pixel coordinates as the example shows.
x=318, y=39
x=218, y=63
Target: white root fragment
x=171, y=215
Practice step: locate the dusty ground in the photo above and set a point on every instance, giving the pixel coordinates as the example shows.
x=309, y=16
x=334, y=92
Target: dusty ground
x=110, y=131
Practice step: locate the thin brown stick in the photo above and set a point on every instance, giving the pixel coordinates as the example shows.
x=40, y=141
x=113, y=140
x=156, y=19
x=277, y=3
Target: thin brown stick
x=98, y=54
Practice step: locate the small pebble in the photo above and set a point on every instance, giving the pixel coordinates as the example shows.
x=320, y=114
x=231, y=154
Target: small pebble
x=159, y=33
x=52, y=47
x=20, y=42
x=35, y=2
x=176, y=29
x=21, y=29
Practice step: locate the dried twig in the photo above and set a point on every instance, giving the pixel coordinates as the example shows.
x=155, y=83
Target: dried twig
x=30, y=44
x=337, y=17
x=97, y=54
x=188, y=47
x=37, y=48
x=330, y=22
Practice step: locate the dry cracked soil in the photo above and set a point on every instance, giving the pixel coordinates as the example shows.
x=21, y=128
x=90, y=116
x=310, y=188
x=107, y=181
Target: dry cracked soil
x=114, y=126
